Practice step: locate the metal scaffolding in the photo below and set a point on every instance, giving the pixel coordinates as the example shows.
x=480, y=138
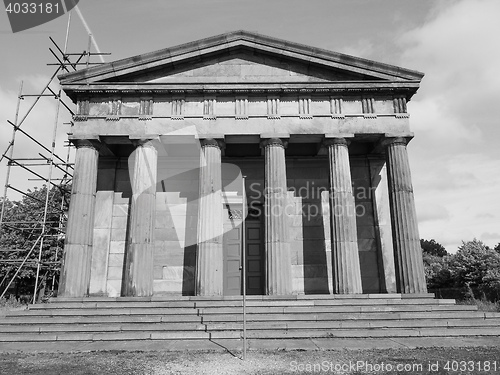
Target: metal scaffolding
x=47, y=166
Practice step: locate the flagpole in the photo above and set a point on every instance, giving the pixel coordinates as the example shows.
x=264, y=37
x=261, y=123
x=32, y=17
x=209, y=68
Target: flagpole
x=243, y=216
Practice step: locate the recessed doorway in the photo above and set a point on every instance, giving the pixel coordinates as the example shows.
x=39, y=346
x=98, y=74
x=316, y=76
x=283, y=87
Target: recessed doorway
x=254, y=251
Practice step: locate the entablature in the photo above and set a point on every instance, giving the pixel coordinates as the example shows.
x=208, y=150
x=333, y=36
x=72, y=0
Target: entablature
x=407, y=88
x=305, y=105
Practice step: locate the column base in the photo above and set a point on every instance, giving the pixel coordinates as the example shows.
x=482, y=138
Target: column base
x=209, y=266
x=139, y=282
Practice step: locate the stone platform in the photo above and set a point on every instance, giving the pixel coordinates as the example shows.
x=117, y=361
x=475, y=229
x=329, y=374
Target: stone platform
x=135, y=321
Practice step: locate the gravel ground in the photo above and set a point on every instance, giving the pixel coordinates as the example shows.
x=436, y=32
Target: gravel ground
x=258, y=362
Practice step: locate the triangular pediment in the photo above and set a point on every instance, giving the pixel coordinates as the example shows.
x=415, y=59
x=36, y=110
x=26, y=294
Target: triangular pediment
x=239, y=57
x=242, y=66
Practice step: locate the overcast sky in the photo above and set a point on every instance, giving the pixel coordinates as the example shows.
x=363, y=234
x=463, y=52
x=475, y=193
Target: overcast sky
x=454, y=157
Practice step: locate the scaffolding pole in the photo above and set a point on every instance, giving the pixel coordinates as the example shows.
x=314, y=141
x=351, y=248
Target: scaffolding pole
x=45, y=226
x=20, y=266
x=49, y=180
x=10, y=150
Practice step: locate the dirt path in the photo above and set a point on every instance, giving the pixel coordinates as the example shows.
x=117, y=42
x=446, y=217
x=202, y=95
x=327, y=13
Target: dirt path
x=414, y=361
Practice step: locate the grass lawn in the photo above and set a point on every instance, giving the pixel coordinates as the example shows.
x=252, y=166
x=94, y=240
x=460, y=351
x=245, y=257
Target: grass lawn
x=417, y=361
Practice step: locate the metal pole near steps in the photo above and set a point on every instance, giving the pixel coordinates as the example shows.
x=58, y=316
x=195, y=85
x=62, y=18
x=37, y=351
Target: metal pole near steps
x=244, y=260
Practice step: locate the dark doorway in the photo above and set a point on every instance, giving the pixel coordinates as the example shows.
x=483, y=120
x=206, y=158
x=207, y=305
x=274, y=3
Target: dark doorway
x=254, y=248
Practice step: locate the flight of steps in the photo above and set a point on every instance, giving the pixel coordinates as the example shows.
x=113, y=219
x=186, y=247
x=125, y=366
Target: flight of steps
x=174, y=318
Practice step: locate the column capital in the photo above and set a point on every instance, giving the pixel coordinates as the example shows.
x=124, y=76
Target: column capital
x=336, y=141
x=394, y=141
x=213, y=142
x=92, y=142
x=280, y=142
x=143, y=140
x=87, y=143
x=391, y=139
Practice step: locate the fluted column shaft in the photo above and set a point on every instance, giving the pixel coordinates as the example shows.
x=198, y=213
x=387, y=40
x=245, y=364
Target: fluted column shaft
x=75, y=276
x=345, y=257
x=278, y=259
x=410, y=276
x=209, y=256
x=138, y=275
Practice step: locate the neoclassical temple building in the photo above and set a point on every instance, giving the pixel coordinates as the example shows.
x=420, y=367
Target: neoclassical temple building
x=241, y=146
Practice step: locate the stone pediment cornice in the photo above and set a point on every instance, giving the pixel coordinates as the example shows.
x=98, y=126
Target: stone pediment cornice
x=407, y=88
x=194, y=52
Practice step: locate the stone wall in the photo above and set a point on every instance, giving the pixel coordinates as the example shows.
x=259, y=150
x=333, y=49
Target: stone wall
x=307, y=181
x=117, y=246
x=175, y=244
x=369, y=253
x=176, y=224
x=110, y=227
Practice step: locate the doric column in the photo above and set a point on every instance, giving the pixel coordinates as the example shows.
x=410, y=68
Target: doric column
x=345, y=257
x=209, y=256
x=138, y=275
x=75, y=275
x=278, y=259
x=410, y=274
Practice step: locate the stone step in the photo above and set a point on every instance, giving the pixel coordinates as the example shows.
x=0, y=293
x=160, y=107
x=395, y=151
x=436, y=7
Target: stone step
x=270, y=334
x=371, y=333
x=449, y=323
x=449, y=307
x=250, y=311
x=287, y=325
x=250, y=297
x=201, y=318
x=257, y=303
x=236, y=310
x=100, y=327
x=110, y=336
x=340, y=309
x=347, y=316
x=105, y=311
x=98, y=319
x=236, y=317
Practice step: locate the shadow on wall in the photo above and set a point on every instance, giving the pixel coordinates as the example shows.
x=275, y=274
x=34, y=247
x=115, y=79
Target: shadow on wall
x=314, y=251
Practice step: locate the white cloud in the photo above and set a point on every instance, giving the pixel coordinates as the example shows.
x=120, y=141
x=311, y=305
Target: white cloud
x=454, y=156
x=456, y=50
x=39, y=124
x=491, y=236
x=468, y=190
x=431, y=212
x=363, y=48
x=485, y=216
x=435, y=123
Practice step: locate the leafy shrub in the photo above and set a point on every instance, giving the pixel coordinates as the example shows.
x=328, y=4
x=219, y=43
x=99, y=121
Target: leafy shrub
x=10, y=303
x=478, y=267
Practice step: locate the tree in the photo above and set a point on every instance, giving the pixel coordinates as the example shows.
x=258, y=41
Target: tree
x=497, y=248
x=477, y=266
x=437, y=273
x=433, y=248
x=435, y=258
x=21, y=231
